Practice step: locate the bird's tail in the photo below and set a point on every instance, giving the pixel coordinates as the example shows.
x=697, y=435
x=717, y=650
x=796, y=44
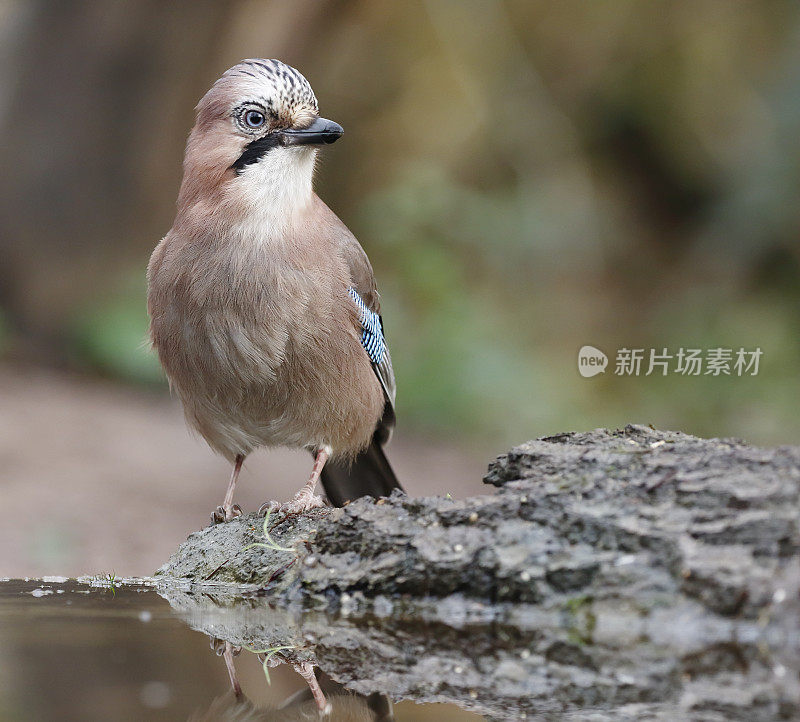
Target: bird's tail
x=369, y=475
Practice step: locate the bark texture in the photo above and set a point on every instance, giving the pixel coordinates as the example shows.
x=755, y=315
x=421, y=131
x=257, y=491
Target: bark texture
x=638, y=573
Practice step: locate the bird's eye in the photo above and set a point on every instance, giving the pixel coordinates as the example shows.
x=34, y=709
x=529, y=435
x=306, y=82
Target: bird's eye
x=254, y=119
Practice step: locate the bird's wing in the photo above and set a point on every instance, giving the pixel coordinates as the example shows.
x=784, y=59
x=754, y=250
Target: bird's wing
x=365, y=295
x=374, y=343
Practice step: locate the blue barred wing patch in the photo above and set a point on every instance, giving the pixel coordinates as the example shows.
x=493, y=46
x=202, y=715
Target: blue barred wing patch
x=372, y=333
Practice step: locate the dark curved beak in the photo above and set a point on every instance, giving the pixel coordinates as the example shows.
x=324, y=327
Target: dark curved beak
x=319, y=132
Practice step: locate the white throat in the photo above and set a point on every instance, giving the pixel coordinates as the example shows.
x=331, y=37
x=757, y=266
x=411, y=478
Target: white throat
x=274, y=191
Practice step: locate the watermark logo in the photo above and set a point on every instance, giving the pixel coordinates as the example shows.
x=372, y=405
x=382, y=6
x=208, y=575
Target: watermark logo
x=682, y=361
x=591, y=361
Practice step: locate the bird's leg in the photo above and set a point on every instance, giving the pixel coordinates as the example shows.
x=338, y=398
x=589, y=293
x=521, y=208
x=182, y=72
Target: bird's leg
x=304, y=499
x=306, y=671
x=227, y=651
x=228, y=654
x=229, y=511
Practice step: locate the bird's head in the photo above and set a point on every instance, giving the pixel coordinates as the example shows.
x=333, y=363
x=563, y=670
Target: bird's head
x=254, y=143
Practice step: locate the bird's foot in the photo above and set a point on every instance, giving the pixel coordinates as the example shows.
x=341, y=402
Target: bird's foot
x=218, y=647
x=299, y=503
x=220, y=515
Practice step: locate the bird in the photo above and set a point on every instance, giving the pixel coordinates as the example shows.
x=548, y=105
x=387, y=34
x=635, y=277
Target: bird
x=264, y=309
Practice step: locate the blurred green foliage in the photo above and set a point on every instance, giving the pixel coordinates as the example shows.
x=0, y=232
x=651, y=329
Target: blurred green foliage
x=486, y=344
x=111, y=337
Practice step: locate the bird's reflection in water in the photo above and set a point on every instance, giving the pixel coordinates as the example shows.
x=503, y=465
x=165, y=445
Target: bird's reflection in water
x=324, y=699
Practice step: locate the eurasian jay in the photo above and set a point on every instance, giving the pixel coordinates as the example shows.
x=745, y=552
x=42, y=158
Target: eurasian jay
x=263, y=305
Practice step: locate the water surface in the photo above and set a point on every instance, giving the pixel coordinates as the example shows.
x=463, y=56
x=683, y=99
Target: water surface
x=100, y=649
x=73, y=651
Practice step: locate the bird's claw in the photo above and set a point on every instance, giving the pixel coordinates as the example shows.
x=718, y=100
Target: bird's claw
x=268, y=506
x=220, y=516
x=218, y=647
x=301, y=502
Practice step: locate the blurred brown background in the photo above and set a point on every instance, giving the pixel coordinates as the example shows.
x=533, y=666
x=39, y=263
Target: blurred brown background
x=527, y=177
